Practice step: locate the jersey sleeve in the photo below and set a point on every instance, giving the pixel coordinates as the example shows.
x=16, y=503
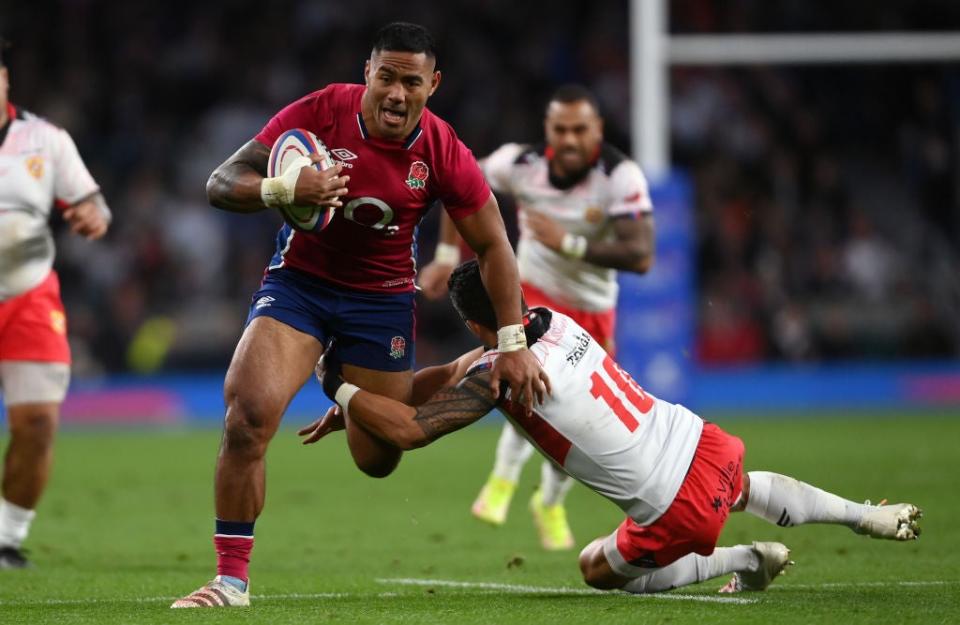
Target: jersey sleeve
x=72, y=181
x=498, y=167
x=462, y=187
x=297, y=114
x=629, y=193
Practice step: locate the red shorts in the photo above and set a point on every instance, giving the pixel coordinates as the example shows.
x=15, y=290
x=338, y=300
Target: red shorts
x=600, y=325
x=693, y=521
x=33, y=325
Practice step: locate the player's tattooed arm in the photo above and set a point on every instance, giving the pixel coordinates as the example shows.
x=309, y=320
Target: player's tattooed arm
x=406, y=427
x=455, y=408
x=235, y=184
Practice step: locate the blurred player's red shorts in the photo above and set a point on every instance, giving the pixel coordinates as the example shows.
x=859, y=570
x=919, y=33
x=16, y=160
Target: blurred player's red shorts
x=600, y=325
x=693, y=521
x=33, y=325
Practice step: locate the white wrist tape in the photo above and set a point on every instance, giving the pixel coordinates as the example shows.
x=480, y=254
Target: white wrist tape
x=511, y=338
x=344, y=394
x=279, y=190
x=573, y=246
x=447, y=254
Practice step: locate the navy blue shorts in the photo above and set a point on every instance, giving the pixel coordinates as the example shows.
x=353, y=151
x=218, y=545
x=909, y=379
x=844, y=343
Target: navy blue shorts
x=373, y=330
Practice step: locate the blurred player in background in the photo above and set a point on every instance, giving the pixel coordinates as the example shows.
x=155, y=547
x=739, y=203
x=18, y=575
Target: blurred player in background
x=40, y=169
x=585, y=212
x=355, y=279
x=675, y=476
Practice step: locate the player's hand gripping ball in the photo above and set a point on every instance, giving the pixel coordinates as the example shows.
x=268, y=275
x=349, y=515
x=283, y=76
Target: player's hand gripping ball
x=293, y=149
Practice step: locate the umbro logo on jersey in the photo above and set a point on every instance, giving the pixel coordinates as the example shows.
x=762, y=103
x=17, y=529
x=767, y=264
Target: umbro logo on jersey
x=263, y=302
x=343, y=154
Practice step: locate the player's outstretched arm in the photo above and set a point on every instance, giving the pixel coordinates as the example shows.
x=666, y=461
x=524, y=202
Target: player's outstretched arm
x=406, y=427
x=486, y=235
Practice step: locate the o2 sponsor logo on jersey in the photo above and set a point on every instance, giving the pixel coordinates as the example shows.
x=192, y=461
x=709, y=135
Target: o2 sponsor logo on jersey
x=398, y=347
x=417, y=178
x=351, y=212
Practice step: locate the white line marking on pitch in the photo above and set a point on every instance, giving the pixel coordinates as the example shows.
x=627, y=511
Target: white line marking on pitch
x=491, y=586
x=827, y=585
x=521, y=589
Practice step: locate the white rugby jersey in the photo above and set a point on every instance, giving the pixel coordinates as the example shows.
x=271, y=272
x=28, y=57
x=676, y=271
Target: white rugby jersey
x=601, y=427
x=39, y=167
x=614, y=187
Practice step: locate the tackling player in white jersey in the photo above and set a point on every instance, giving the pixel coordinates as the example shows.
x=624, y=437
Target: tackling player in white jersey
x=675, y=476
x=39, y=169
x=585, y=212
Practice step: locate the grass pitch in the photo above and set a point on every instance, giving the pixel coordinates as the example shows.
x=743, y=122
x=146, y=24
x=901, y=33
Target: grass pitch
x=126, y=527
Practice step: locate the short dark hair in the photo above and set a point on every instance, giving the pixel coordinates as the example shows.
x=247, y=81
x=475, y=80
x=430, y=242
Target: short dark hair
x=470, y=297
x=405, y=37
x=570, y=93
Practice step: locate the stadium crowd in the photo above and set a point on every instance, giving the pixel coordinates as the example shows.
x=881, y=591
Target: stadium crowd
x=826, y=197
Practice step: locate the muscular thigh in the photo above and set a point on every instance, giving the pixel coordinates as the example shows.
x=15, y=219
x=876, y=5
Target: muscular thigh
x=272, y=361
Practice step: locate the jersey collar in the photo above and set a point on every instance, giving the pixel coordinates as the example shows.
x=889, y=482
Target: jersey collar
x=408, y=143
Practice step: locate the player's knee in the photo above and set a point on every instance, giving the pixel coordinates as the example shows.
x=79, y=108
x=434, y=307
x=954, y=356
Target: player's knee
x=246, y=427
x=592, y=566
x=34, y=428
x=378, y=467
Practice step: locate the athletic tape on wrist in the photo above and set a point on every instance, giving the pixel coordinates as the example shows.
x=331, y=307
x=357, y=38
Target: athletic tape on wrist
x=511, y=338
x=279, y=190
x=447, y=254
x=573, y=246
x=344, y=394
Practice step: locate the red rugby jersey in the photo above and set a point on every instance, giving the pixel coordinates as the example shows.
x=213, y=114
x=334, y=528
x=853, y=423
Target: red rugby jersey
x=371, y=243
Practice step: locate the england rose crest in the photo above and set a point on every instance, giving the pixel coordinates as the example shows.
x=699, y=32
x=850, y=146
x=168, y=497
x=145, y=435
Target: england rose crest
x=419, y=172
x=398, y=347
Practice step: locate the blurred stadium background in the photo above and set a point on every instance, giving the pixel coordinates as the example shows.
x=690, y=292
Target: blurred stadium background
x=808, y=228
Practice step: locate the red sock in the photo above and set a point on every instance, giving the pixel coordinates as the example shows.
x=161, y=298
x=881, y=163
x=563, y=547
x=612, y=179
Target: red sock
x=233, y=542
x=233, y=555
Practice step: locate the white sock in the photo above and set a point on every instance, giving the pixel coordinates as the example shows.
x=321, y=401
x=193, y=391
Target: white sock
x=787, y=502
x=14, y=524
x=554, y=484
x=694, y=568
x=513, y=451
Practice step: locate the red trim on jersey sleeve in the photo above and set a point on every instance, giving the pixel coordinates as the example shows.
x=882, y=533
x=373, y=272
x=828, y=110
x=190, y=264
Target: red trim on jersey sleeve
x=552, y=442
x=11, y=111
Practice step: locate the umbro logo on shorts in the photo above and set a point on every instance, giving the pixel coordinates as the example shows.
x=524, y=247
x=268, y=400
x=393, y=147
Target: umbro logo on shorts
x=263, y=302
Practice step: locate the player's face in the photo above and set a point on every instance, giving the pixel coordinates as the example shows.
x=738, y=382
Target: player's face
x=398, y=85
x=574, y=130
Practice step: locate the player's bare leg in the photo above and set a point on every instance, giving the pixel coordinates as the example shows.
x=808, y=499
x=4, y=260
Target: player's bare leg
x=371, y=455
x=759, y=563
x=272, y=361
x=26, y=469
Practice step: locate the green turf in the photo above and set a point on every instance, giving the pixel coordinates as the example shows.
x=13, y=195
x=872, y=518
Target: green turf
x=126, y=527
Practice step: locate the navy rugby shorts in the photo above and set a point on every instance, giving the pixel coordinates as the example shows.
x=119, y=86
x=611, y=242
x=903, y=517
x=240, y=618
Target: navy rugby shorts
x=372, y=330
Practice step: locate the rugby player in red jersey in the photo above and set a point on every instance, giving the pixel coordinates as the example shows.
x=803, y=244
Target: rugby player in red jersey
x=40, y=169
x=354, y=281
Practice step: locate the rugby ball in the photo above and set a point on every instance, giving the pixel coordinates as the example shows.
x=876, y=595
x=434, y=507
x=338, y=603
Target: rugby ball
x=287, y=149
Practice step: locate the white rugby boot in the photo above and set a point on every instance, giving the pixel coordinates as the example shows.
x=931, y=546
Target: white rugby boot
x=215, y=594
x=773, y=559
x=899, y=521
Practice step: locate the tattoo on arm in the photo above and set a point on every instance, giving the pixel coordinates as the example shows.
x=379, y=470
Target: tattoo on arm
x=454, y=408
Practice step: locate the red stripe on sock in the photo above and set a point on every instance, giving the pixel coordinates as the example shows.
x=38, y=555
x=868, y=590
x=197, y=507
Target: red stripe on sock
x=233, y=555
